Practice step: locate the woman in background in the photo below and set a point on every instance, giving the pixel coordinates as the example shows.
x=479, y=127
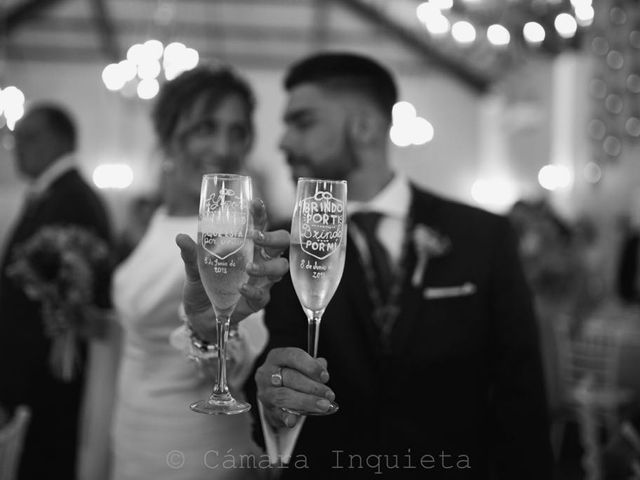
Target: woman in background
x=203, y=122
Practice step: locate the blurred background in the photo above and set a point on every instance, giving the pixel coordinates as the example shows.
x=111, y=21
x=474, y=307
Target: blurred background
x=536, y=101
x=506, y=87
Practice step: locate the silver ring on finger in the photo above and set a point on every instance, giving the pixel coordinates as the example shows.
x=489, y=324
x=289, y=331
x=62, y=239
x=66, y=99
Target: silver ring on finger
x=277, y=379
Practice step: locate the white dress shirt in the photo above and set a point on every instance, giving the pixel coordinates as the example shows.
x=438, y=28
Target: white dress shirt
x=393, y=202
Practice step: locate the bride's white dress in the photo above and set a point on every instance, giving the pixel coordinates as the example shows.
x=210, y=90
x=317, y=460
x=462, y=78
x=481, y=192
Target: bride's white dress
x=155, y=434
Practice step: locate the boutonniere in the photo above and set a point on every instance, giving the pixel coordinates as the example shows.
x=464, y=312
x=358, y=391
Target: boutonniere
x=429, y=244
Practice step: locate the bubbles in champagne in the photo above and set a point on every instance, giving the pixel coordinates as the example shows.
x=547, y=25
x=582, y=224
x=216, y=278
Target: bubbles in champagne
x=223, y=274
x=315, y=281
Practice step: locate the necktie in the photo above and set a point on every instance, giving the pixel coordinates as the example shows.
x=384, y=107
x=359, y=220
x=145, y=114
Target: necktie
x=379, y=260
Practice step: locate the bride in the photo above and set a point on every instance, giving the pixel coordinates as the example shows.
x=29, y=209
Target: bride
x=202, y=120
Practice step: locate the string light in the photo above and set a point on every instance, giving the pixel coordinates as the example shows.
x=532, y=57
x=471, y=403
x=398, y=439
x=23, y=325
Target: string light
x=429, y=13
x=581, y=3
x=426, y=10
x=495, y=194
x=442, y=4
x=148, y=88
x=533, y=32
x=113, y=175
x=11, y=105
x=554, y=177
x=438, y=25
x=463, y=32
x=498, y=35
x=584, y=15
x=438, y=18
x=566, y=25
x=408, y=128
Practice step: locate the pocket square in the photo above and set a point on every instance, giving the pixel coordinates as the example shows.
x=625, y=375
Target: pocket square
x=463, y=290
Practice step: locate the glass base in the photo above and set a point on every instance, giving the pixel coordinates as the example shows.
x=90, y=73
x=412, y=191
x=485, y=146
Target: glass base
x=229, y=406
x=332, y=409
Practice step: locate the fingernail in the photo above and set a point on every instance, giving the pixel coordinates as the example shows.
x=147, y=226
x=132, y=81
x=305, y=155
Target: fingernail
x=251, y=268
x=290, y=421
x=324, y=376
x=323, y=404
x=330, y=396
x=259, y=235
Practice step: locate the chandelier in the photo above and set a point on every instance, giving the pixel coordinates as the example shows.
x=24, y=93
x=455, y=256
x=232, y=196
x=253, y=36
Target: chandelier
x=146, y=63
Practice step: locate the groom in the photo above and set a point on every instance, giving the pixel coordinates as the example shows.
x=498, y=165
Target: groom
x=435, y=364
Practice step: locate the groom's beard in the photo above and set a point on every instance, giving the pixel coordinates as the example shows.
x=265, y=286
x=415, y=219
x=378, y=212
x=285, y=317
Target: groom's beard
x=337, y=167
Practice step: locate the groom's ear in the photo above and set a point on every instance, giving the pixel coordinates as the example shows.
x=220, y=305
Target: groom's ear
x=362, y=127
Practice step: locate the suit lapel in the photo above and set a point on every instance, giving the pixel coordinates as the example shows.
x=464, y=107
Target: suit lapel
x=422, y=211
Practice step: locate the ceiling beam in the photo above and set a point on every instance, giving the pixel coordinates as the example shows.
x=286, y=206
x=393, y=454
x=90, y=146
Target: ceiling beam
x=415, y=42
x=208, y=29
x=14, y=16
x=106, y=30
x=269, y=60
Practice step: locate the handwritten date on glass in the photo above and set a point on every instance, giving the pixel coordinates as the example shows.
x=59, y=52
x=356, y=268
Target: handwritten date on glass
x=318, y=271
x=219, y=266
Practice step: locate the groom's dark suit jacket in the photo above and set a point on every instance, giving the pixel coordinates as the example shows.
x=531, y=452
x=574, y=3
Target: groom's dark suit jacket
x=25, y=376
x=462, y=383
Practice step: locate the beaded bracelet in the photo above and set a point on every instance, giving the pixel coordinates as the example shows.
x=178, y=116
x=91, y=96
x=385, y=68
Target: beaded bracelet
x=186, y=340
x=194, y=347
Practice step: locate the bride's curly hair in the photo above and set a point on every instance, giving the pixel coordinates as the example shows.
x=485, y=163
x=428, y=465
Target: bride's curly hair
x=209, y=82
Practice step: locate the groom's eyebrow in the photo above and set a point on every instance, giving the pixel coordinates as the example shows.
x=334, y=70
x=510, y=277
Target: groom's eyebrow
x=296, y=116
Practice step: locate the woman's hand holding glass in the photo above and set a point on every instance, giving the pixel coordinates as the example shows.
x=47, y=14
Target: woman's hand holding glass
x=263, y=273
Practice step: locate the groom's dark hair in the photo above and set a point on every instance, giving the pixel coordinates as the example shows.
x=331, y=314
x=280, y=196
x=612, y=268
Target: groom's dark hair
x=346, y=71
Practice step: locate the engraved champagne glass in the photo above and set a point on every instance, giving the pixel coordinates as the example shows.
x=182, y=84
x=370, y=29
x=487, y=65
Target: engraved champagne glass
x=317, y=252
x=224, y=249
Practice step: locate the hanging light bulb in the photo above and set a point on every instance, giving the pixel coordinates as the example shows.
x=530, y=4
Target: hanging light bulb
x=498, y=35
x=566, y=25
x=463, y=32
x=533, y=32
x=148, y=88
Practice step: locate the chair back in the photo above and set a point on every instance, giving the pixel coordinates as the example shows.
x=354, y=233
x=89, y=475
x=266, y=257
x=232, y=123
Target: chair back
x=11, y=441
x=595, y=360
x=589, y=361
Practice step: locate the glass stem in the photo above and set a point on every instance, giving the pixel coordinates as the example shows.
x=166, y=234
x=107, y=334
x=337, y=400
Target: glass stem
x=313, y=332
x=222, y=330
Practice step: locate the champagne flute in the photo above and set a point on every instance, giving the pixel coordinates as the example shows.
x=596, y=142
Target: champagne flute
x=317, y=253
x=224, y=249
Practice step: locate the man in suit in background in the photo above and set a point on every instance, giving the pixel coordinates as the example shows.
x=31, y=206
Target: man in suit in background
x=45, y=140
x=435, y=363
